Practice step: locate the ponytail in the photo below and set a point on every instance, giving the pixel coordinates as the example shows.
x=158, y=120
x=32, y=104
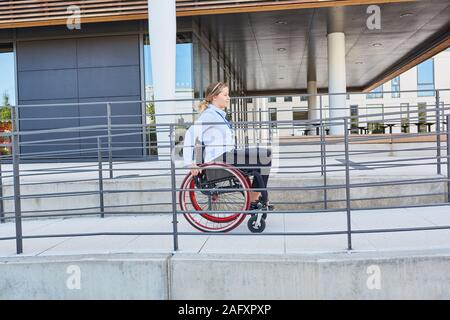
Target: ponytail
x=202, y=106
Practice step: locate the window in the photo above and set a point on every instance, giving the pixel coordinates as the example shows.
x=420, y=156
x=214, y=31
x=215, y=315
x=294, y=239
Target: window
x=422, y=116
x=7, y=82
x=425, y=78
x=299, y=114
x=7, y=90
x=354, y=121
x=287, y=99
x=376, y=93
x=303, y=98
x=273, y=116
x=395, y=87
x=249, y=100
x=404, y=109
x=375, y=117
x=184, y=60
x=272, y=99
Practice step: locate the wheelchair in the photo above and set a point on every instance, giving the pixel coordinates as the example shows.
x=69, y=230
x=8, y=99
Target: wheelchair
x=220, y=187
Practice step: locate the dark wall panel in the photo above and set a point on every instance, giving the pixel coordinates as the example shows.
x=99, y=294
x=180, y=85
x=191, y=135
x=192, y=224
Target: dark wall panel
x=47, y=84
x=109, y=82
x=34, y=118
x=126, y=141
x=59, y=113
x=108, y=51
x=47, y=55
x=91, y=69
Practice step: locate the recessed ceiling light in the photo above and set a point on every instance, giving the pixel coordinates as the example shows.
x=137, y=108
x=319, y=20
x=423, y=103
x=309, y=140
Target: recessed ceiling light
x=358, y=62
x=406, y=14
x=377, y=44
x=281, y=22
x=281, y=49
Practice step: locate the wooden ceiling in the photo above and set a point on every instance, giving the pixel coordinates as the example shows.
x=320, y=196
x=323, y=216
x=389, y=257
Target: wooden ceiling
x=30, y=13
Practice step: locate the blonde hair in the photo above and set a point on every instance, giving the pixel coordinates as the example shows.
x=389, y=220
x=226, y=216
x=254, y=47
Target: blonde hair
x=213, y=90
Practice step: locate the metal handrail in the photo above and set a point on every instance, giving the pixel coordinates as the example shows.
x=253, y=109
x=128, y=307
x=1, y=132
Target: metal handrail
x=104, y=147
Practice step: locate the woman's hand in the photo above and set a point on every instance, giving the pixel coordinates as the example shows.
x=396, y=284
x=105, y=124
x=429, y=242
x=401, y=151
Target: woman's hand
x=195, y=170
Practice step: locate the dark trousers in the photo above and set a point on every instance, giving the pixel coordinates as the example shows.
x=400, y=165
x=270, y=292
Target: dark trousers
x=251, y=160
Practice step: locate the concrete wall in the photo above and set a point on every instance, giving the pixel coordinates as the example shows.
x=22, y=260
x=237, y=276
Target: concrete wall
x=394, y=275
x=340, y=276
x=85, y=277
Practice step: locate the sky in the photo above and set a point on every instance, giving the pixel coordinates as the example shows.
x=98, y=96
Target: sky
x=7, y=76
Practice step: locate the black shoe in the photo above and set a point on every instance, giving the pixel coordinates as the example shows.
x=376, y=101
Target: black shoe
x=259, y=206
x=265, y=205
x=256, y=206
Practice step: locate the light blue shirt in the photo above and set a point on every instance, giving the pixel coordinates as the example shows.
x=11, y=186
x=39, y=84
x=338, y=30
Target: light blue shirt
x=214, y=131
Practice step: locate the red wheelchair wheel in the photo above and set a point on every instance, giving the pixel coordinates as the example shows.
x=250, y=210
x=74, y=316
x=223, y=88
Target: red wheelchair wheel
x=198, y=200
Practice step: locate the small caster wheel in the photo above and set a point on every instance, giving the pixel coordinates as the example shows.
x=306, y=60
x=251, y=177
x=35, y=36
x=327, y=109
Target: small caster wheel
x=251, y=224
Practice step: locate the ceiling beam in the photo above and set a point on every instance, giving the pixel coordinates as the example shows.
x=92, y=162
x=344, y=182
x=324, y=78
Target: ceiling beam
x=53, y=12
x=278, y=6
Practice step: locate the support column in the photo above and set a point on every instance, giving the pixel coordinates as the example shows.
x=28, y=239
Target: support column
x=162, y=16
x=313, y=112
x=336, y=67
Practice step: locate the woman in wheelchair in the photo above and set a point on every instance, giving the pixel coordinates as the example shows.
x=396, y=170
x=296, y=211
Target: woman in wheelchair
x=219, y=178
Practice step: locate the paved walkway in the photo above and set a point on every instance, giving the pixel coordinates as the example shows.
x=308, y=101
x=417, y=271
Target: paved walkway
x=251, y=244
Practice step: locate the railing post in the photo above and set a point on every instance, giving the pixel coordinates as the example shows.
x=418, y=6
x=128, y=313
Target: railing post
x=347, y=186
x=323, y=156
x=108, y=112
x=100, y=178
x=447, y=117
x=16, y=174
x=321, y=137
x=174, y=192
x=254, y=122
x=260, y=128
x=438, y=133
x=2, y=208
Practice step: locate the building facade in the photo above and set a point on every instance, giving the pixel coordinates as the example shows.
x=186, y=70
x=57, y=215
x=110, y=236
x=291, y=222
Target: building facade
x=88, y=71
x=372, y=109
